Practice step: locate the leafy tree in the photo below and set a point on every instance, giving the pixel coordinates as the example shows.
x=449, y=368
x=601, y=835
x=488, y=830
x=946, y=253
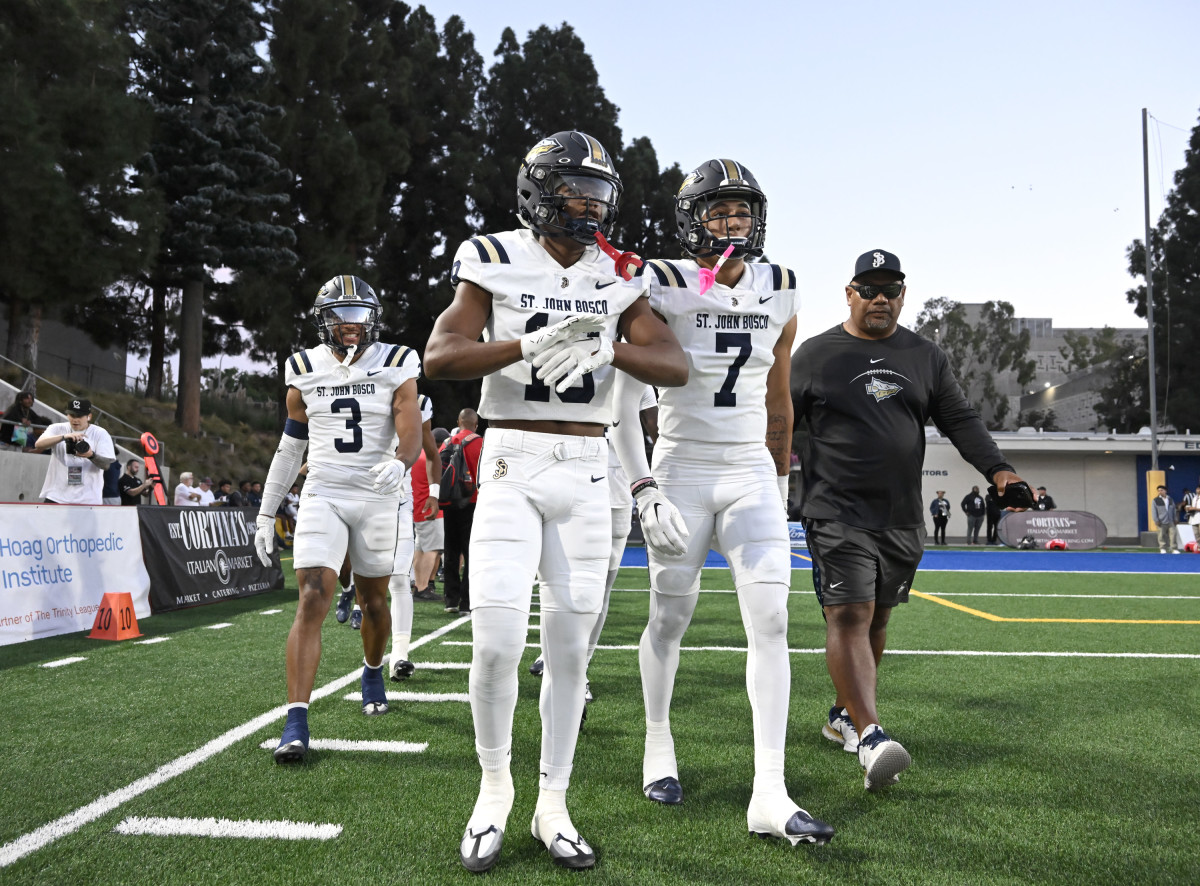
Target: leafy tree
x=1082, y=350
x=546, y=85
x=197, y=67
x=646, y=223
x=1045, y=420
x=980, y=352
x=69, y=215
x=1124, y=404
x=1175, y=248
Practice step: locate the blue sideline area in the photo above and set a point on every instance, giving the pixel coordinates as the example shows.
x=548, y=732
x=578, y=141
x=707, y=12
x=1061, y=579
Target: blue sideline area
x=1007, y=561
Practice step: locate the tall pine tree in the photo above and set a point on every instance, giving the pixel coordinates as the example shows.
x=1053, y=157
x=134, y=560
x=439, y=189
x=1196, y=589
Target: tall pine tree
x=197, y=67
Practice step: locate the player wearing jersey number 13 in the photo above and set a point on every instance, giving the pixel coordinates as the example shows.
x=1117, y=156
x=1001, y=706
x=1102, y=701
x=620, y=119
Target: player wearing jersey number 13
x=543, y=506
x=722, y=458
x=352, y=402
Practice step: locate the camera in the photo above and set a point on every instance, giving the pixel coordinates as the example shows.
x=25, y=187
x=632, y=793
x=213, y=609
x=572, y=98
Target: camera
x=78, y=447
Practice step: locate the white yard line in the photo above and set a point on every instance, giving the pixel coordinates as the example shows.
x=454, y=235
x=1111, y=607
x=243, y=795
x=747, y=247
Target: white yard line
x=342, y=744
x=73, y=821
x=271, y=612
x=64, y=661
x=224, y=827
x=151, y=641
x=413, y=696
x=219, y=625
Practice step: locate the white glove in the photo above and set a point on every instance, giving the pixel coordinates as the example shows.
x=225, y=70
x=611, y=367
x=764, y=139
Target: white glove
x=565, y=364
x=662, y=524
x=388, y=477
x=578, y=326
x=264, y=538
x=783, y=490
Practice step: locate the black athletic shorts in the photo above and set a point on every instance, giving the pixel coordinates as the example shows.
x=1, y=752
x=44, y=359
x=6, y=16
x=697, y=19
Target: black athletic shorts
x=852, y=565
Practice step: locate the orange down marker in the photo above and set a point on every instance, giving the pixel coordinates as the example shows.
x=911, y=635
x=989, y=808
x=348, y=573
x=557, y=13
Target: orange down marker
x=115, y=620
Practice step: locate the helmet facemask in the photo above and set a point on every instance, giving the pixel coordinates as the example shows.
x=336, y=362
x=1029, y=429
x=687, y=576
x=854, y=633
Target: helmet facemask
x=335, y=316
x=567, y=187
x=578, y=206
x=713, y=228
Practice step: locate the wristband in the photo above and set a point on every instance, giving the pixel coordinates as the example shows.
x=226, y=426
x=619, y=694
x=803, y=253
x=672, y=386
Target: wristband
x=644, y=483
x=435, y=491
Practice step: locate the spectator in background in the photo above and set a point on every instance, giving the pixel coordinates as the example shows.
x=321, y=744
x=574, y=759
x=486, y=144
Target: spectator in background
x=255, y=494
x=186, y=493
x=223, y=489
x=81, y=452
x=994, y=513
x=456, y=522
x=1163, y=511
x=289, y=508
x=131, y=485
x=240, y=498
x=1042, y=501
x=975, y=508
x=18, y=423
x=206, y=494
x=111, y=490
x=1191, y=508
x=940, y=508
x=428, y=529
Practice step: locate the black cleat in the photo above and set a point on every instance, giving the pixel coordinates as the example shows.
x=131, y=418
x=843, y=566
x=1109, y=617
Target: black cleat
x=666, y=790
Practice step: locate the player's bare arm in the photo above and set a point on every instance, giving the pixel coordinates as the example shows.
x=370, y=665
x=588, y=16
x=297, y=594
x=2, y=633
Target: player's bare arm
x=297, y=410
x=650, y=352
x=779, y=401
x=433, y=466
x=454, y=350
x=409, y=427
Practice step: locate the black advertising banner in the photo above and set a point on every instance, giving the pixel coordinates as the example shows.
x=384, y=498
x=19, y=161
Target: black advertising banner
x=202, y=555
x=1079, y=529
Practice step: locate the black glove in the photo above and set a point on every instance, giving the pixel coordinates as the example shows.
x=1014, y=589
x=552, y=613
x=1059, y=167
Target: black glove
x=1016, y=495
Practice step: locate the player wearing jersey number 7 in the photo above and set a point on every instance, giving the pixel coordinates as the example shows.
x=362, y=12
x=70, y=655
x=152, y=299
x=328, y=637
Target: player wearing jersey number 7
x=722, y=459
x=543, y=503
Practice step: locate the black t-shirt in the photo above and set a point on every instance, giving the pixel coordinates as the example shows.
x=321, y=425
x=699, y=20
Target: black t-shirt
x=126, y=483
x=866, y=403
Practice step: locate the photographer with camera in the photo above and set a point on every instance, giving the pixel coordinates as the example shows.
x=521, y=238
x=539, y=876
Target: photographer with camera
x=79, y=454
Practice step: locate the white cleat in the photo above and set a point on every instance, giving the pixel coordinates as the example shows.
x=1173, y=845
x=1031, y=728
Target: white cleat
x=568, y=850
x=779, y=817
x=480, y=848
x=840, y=728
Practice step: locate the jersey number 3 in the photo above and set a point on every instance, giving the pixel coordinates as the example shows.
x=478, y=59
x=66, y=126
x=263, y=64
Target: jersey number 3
x=540, y=391
x=726, y=342
x=348, y=404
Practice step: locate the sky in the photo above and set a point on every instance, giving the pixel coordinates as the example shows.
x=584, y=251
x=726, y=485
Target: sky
x=995, y=148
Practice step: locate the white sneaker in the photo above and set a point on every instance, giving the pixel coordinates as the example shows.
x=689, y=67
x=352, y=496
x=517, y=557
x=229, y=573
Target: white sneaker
x=881, y=757
x=840, y=728
x=1162, y=550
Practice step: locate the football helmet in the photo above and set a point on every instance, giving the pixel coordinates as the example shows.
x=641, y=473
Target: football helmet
x=344, y=301
x=567, y=186
x=704, y=187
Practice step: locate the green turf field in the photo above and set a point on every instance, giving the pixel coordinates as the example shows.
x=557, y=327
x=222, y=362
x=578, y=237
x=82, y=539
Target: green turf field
x=1045, y=751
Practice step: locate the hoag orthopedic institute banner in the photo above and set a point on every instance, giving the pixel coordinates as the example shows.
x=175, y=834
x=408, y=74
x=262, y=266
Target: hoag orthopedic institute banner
x=202, y=555
x=58, y=561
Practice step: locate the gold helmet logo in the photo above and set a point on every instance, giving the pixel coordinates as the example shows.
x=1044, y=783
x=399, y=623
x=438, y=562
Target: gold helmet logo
x=544, y=146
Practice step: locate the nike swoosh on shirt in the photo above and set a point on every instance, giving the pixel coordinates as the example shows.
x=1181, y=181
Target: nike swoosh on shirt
x=597, y=479
x=605, y=285
x=617, y=422
x=880, y=360
x=763, y=301
x=839, y=584
x=376, y=372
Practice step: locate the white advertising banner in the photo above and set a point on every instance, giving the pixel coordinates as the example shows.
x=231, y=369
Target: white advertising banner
x=58, y=561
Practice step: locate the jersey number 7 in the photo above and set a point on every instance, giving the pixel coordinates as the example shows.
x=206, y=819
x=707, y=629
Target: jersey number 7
x=727, y=341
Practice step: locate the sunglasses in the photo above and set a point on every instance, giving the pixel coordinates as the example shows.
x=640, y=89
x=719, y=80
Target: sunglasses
x=888, y=290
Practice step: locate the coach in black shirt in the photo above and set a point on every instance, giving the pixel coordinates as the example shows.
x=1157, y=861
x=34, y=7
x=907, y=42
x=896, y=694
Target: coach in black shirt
x=866, y=389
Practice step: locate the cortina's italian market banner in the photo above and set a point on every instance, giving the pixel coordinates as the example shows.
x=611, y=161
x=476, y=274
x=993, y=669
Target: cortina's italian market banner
x=1079, y=529
x=202, y=555
x=58, y=561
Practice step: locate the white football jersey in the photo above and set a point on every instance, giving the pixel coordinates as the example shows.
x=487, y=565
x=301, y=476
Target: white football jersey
x=729, y=335
x=530, y=290
x=350, y=424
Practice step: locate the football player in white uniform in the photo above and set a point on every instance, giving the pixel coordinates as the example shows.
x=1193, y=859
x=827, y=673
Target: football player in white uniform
x=546, y=299
x=399, y=667
x=722, y=458
x=352, y=402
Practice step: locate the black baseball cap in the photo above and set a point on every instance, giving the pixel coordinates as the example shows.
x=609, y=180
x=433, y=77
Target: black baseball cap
x=79, y=406
x=877, y=260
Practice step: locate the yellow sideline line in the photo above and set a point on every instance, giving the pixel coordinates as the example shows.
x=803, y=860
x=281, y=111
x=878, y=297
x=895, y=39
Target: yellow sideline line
x=1095, y=621
x=801, y=556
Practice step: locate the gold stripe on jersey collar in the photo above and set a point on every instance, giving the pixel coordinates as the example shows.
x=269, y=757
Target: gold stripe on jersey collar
x=674, y=278
x=490, y=248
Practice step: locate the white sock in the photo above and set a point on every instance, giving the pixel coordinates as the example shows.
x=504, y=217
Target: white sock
x=495, y=789
x=659, y=759
x=564, y=645
x=552, y=817
x=498, y=642
x=768, y=679
x=402, y=617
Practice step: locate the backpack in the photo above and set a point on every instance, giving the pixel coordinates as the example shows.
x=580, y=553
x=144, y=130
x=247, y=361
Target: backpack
x=457, y=485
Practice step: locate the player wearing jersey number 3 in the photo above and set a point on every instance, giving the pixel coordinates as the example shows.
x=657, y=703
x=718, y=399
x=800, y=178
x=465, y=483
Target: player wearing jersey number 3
x=722, y=458
x=352, y=402
x=551, y=309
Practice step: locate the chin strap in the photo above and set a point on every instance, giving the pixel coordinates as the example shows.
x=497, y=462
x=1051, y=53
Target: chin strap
x=625, y=262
